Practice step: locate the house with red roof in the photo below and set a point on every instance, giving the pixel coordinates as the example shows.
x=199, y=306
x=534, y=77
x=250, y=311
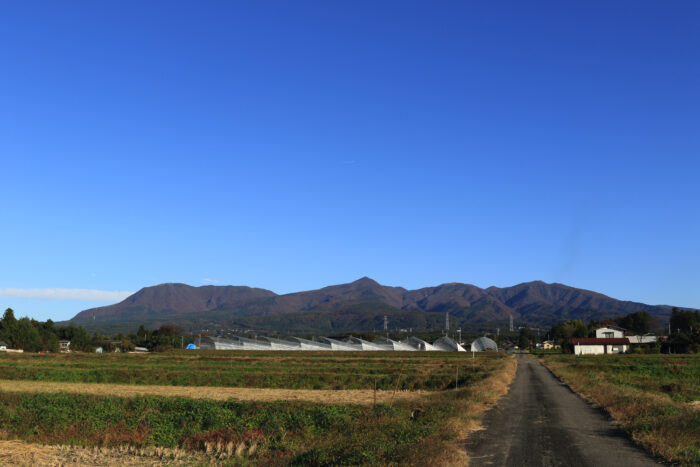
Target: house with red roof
x=600, y=345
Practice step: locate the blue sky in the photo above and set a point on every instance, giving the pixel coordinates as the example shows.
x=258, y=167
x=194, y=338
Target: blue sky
x=293, y=145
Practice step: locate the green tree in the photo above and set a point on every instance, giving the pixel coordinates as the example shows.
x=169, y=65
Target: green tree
x=80, y=339
x=26, y=336
x=525, y=338
x=50, y=343
x=127, y=345
x=563, y=332
x=8, y=319
x=640, y=322
x=684, y=321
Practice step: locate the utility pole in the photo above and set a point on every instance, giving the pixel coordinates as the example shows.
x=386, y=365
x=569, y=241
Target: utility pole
x=511, y=323
x=447, y=323
x=386, y=325
x=459, y=331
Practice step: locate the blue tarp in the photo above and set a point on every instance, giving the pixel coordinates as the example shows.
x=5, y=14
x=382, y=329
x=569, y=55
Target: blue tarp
x=191, y=346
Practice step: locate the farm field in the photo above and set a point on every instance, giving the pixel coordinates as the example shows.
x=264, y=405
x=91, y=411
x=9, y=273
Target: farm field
x=403, y=426
x=654, y=397
x=287, y=370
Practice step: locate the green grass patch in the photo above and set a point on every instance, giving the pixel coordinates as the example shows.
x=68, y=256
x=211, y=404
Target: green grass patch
x=290, y=370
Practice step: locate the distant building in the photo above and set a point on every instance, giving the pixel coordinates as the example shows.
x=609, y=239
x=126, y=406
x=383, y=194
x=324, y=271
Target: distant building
x=643, y=339
x=64, y=346
x=600, y=346
x=609, y=332
x=549, y=345
x=140, y=349
x=3, y=346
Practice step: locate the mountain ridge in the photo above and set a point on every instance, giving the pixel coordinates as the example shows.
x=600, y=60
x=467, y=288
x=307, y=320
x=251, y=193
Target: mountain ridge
x=356, y=306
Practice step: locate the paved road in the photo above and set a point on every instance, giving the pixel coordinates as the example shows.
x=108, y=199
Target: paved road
x=541, y=422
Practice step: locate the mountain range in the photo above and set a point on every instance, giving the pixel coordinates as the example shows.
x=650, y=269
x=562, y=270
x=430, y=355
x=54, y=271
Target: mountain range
x=357, y=306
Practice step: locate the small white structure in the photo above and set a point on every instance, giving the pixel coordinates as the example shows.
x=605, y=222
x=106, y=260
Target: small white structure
x=64, y=346
x=483, y=343
x=600, y=346
x=395, y=345
x=371, y=346
x=644, y=339
x=609, y=332
x=420, y=344
x=340, y=345
x=3, y=346
x=447, y=344
x=278, y=344
x=305, y=344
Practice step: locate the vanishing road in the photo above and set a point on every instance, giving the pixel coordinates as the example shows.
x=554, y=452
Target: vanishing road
x=541, y=422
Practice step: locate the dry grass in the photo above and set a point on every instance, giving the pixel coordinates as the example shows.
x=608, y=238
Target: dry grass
x=19, y=453
x=478, y=399
x=319, y=396
x=664, y=427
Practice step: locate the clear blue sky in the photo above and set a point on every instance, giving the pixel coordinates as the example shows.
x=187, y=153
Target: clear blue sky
x=293, y=145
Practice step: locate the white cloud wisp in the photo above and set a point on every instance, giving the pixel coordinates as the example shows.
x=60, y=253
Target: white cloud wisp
x=66, y=294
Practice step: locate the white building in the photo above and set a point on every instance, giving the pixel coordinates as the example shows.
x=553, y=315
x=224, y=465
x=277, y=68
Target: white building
x=600, y=346
x=609, y=332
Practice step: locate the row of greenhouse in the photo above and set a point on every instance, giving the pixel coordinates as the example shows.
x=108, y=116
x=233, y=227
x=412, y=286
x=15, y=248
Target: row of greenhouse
x=443, y=344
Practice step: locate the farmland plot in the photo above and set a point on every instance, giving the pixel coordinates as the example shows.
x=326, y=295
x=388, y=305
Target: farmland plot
x=400, y=426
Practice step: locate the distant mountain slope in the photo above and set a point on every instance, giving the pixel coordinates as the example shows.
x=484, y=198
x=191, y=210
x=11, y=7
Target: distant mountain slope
x=177, y=298
x=357, y=306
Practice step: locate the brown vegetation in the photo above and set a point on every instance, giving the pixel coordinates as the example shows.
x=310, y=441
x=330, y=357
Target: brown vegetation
x=20, y=453
x=319, y=396
x=664, y=426
x=445, y=448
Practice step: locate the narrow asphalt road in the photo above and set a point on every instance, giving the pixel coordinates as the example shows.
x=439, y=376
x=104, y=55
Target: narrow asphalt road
x=542, y=422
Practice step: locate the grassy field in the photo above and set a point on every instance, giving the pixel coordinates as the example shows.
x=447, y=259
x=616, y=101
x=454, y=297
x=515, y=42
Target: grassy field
x=289, y=370
x=398, y=431
x=654, y=397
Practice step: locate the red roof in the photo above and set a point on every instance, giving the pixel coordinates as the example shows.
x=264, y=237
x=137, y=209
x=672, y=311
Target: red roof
x=600, y=341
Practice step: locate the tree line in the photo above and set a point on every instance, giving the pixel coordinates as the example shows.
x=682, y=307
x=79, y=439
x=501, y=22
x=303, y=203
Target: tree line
x=31, y=335
x=683, y=336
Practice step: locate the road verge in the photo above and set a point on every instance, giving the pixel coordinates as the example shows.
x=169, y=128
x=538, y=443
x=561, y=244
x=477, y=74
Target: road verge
x=446, y=447
x=664, y=427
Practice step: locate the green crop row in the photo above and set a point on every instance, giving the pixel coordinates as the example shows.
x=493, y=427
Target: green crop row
x=279, y=433
x=271, y=370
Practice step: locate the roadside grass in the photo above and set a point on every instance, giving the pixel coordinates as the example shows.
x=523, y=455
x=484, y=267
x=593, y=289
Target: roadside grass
x=652, y=397
x=416, y=432
x=290, y=370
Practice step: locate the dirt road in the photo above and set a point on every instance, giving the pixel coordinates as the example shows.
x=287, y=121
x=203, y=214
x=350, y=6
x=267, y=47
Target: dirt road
x=541, y=422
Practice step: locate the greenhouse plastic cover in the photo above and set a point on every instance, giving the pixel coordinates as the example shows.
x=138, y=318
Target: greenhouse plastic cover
x=483, y=343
